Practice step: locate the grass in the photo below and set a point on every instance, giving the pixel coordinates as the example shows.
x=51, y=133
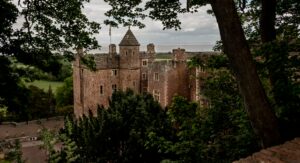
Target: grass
x=44, y=84
x=163, y=56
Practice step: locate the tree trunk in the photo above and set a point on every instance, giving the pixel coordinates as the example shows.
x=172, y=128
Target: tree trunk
x=267, y=20
x=267, y=30
x=260, y=113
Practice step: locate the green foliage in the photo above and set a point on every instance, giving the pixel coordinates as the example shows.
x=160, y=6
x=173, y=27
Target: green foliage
x=134, y=128
x=65, y=110
x=31, y=73
x=45, y=84
x=65, y=71
x=226, y=119
x=50, y=28
x=48, y=139
x=119, y=132
x=64, y=98
x=221, y=133
x=13, y=94
x=16, y=153
x=89, y=61
x=287, y=20
x=66, y=154
x=129, y=12
x=210, y=61
x=42, y=104
x=283, y=67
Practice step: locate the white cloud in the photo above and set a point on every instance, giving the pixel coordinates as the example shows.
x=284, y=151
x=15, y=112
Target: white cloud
x=197, y=29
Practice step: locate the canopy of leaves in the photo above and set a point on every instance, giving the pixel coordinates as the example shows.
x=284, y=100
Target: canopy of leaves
x=118, y=133
x=49, y=29
x=135, y=128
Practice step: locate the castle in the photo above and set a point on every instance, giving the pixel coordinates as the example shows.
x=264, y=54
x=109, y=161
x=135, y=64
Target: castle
x=136, y=70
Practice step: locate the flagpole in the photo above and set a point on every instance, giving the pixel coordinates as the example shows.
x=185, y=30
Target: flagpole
x=109, y=34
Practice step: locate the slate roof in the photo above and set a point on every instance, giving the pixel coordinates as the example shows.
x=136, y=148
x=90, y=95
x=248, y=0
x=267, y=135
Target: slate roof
x=129, y=40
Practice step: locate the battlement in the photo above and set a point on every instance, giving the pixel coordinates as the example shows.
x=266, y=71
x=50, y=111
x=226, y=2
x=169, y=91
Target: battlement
x=179, y=55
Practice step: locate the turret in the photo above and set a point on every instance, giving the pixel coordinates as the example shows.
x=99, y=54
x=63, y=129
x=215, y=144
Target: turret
x=151, y=52
x=179, y=55
x=129, y=51
x=112, y=49
x=150, y=49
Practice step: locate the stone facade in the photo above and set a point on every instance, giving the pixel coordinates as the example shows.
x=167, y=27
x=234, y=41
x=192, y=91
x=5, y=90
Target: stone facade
x=135, y=70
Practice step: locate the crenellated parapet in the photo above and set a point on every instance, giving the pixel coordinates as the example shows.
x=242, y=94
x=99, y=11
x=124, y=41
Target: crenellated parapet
x=179, y=55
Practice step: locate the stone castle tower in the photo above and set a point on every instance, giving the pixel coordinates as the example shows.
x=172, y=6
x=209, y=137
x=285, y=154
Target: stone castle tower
x=132, y=69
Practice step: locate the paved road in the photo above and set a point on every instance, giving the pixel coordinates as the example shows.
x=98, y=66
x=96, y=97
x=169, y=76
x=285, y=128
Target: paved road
x=31, y=129
x=31, y=143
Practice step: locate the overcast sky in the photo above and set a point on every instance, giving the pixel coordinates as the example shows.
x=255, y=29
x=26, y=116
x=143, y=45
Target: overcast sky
x=197, y=28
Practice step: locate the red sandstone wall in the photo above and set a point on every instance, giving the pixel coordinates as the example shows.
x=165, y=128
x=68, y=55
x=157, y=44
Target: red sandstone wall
x=174, y=79
x=192, y=84
x=160, y=85
x=130, y=79
x=132, y=59
x=178, y=81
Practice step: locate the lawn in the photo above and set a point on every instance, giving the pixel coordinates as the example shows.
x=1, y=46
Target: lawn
x=163, y=56
x=44, y=84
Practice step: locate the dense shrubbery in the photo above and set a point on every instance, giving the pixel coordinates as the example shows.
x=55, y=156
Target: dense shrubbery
x=135, y=128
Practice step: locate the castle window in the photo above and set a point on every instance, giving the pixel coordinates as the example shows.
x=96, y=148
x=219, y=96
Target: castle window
x=156, y=77
x=114, y=87
x=81, y=74
x=144, y=63
x=114, y=72
x=126, y=52
x=144, y=76
x=156, y=95
x=101, y=90
x=145, y=89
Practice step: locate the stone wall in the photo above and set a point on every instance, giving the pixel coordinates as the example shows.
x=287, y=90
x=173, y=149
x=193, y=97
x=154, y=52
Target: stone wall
x=132, y=69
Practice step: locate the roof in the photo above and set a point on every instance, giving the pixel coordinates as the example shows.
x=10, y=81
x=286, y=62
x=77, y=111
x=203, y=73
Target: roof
x=287, y=152
x=129, y=40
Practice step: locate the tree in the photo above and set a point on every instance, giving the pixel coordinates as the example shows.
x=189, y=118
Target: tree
x=236, y=48
x=64, y=94
x=273, y=31
x=119, y=133
x=36, y=42
x=218, y=133
x=16, y=153
x=235, y=45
